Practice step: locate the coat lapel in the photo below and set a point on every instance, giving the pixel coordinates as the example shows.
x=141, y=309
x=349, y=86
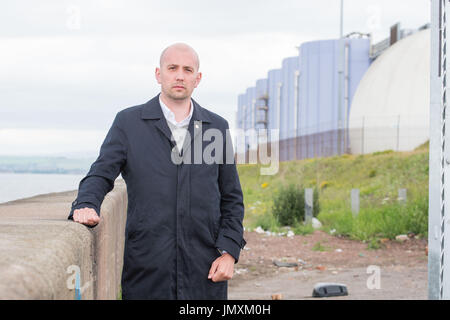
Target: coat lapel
x=152, y=110
x=197, y=125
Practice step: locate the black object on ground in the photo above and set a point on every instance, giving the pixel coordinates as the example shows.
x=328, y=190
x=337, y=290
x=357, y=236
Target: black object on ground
x=322, y=290
x=285, y=264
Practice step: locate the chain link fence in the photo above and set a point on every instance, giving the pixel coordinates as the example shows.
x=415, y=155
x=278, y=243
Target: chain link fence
x=364, y=135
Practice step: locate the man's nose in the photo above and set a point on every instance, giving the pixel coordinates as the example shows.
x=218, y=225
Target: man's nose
x=179, y=76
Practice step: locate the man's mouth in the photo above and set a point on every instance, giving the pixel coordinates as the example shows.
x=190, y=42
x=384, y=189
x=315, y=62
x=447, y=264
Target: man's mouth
x=178, y=87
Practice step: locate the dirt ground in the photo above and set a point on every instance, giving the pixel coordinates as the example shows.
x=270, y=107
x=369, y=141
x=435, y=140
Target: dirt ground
x=398, y=270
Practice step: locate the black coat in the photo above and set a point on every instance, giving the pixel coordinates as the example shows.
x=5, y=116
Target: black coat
x=178, y=214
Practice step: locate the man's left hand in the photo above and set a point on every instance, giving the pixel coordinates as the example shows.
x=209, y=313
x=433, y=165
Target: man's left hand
x=222, y=268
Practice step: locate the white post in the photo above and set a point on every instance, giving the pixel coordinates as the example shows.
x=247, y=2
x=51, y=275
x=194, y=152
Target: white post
x=355, y=202
x=309, y=195
x=402, y=195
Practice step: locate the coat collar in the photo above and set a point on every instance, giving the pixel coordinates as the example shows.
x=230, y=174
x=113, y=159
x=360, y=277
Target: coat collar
x=152, y=110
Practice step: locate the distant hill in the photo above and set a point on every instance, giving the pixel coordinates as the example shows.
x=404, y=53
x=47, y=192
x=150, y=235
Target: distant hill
x=61, y=165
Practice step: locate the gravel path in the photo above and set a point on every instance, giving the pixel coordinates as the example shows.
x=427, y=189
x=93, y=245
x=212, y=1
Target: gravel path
x=398, y=270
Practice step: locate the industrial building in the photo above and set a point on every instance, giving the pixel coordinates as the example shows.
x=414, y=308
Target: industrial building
x=329, y=99
x=398, y=119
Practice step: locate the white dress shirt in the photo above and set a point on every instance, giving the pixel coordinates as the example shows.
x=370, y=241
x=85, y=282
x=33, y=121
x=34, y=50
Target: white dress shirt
x=178, y=129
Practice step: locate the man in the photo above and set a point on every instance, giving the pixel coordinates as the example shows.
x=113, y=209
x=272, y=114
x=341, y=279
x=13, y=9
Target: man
x=184, y=219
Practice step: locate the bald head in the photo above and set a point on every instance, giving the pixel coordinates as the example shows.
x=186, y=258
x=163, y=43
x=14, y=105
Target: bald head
x=180, y=47
x=178, y=73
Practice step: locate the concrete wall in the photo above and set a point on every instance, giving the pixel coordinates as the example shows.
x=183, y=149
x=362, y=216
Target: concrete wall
x=42, y=253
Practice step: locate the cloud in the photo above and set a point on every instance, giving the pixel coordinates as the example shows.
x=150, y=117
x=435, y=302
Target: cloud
x=89, y=76
x=50, y=141
x=74, y=64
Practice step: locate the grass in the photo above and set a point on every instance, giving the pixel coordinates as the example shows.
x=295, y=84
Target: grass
x=303, y=230
x=383, y=221
x=378, y=176
x=318, y=246
x=267, y=221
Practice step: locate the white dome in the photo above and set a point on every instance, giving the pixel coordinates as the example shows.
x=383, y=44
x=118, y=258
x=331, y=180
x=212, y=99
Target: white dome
x=390, y=109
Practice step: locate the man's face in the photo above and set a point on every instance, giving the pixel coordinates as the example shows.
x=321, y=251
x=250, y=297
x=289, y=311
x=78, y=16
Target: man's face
x=178, y=74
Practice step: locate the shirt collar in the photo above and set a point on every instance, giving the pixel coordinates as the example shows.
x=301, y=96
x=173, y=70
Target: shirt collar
x=170, y=116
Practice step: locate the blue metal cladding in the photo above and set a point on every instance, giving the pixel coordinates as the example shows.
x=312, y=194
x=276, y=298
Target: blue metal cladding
x=359, y=63
x=288, y=107
x=319, y=89
x=289, y=70
x=250, y=114
x=261, y=98
x=240, y=112
x=274, y=79
x=318, y=92
x=250, y=108
x=240, y=123
x=303, y=97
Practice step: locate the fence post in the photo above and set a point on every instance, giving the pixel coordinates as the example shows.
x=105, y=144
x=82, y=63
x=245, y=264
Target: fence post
x=362, y=136
x=308, y=205
x=398, y=133
x=355, y=202
x=402, y=195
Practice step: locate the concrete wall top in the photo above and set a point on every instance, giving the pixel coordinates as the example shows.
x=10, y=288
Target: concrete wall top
x=42, y=253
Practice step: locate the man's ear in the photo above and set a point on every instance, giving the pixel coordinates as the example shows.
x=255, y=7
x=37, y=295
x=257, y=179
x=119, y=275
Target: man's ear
x=158, y=75
x=199, y=77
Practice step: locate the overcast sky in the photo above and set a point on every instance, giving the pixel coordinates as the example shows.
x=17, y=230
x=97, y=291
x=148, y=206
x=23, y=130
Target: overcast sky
x=67, y=67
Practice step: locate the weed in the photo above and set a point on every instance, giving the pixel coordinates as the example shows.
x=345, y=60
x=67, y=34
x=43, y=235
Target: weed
x=378, y=177
x=301, y=229
x=382, y=152
x=318, y=246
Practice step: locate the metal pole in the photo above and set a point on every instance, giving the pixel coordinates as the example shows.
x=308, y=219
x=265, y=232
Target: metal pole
x=340, y=82
x=438, y=233
x=341, y=34
x=346, y=95
x=434, y=165
x=445, y=161
x=296, y=111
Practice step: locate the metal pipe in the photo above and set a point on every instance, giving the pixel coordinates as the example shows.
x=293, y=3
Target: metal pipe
x=340, y=80
x=346, y=96
x=279, y=85
x=341, y=35
x=296, y=87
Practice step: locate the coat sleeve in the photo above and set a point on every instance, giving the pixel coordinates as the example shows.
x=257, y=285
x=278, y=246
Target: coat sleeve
x=230, y=236
x=104, y=171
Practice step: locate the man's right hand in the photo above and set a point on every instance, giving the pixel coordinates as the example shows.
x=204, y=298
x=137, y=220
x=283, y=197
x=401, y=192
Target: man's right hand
x=86, y=216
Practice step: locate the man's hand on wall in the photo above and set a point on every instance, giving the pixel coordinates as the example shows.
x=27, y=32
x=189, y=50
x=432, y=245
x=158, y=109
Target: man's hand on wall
x=86, y=216
x=222, y=268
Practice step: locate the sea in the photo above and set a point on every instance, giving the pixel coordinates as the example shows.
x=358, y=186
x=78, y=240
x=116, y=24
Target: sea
x=15, y=186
